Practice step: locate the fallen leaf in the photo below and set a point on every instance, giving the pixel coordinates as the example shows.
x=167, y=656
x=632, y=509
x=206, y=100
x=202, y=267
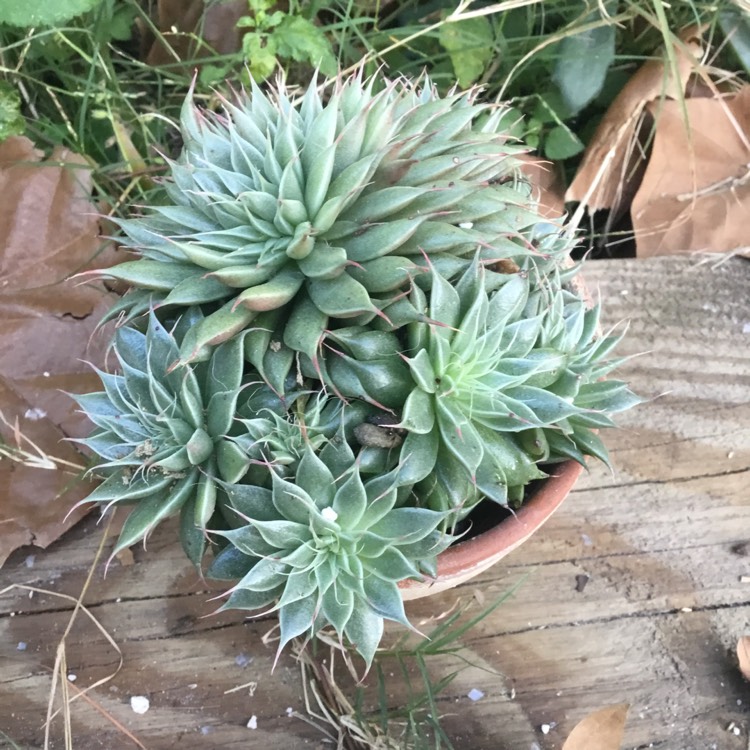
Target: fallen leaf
x=601, y=730
x=695, y=192
x=613, y=160
x=179, y=20
x=743, y=655
x=48, y=230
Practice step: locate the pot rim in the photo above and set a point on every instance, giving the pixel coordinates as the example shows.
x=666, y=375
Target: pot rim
x=501, y=539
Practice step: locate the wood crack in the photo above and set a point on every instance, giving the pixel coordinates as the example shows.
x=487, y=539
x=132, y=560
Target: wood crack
x=101, y=603
x=617, y=618
x=575, y=559
x=658, y=482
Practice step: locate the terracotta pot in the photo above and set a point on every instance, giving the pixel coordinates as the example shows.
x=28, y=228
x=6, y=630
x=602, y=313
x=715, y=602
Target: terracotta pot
x=465, y=560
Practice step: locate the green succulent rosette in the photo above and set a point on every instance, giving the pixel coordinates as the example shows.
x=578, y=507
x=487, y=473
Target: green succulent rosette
x=162, y=435
x=327, y=208
x=508, y=380
x=328, y=549
x=278, y=433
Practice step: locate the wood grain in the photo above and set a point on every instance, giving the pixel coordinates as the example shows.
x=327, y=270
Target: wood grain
x=661, y=541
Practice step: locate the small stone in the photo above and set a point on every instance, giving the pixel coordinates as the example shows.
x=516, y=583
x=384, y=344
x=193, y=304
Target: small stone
x=29, y=561
x=35, y=414
x=581, y=580
x=289, y=710
x=475, y=695
x=21, y=646
x=242, y=660
x=207, y=730
x=253, y=722
x=329, y=514
x=140, y=704
x=466, y=225
x=72, y=677
x=545, y=728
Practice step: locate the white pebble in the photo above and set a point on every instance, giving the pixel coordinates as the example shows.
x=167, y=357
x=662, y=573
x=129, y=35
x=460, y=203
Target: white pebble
x=242, y=660
x=140, y=704
x=466, y=224
x=21, y=646
x=253, y=723
x=35, y=414
x=29, y=561
x=289, y=710
x=329, y=514
x=72, y=677
x=475, y=695
x=545, y=728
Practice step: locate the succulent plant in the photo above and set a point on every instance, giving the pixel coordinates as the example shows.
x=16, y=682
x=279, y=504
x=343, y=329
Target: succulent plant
x=328, y=549
x=162, y=433
x=507, y=379
x=359, y=328
x=326, y=209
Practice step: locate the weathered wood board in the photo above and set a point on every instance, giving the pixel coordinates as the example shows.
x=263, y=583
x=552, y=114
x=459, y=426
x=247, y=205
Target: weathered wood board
x=655, y=626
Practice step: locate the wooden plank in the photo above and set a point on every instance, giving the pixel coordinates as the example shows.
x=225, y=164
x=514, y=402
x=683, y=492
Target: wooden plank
x=655, y=624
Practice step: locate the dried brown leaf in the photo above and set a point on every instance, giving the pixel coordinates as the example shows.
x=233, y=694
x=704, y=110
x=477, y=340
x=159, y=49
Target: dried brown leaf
x=48, y=231
x=695, y=193
x=179, y=20
x=613, y=159
x=743, y=655
x=601, y=730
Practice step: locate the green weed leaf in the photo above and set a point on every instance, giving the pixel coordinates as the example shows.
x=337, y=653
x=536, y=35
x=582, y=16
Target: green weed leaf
x=736, y=28
x=299, y=39
x=562, y=143
x=583, y=64
x=469, y=46
x=11, y=119
x=26, y=13
x=260, y=52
